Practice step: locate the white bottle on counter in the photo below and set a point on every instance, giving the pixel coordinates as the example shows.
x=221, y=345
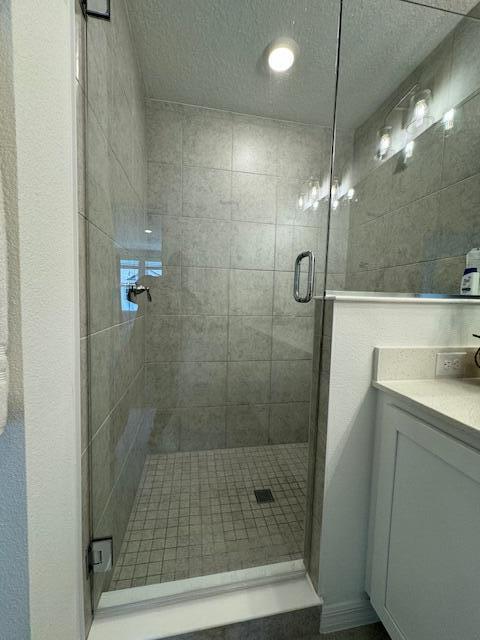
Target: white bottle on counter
x=470, y=285
x=473, y=259
x=470, y=282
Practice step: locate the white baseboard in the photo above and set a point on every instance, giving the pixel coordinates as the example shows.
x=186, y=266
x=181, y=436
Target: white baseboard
x=347, y=615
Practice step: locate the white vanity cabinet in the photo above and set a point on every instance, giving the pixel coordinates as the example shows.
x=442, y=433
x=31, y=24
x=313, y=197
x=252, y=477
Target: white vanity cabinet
x=424, y=546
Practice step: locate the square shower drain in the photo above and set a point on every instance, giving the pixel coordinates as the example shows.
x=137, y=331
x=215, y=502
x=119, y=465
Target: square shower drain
x=264, y=495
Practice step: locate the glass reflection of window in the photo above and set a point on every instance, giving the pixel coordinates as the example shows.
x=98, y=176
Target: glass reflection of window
x=153, y=268
x=131, y=270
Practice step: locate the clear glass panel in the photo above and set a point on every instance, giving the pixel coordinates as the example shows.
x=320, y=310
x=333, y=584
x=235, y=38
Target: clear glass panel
x=207, y=174
x=406, y=158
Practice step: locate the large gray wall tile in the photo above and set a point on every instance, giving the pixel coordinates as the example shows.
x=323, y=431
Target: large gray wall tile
x=372, y=197
x=422, y=173
x=165, y=435
x=164, y=188
x=255, y=144
x=207, y=193
x=204, y=338
x=288, y=210
x=291, y=380
x=202, y=384
x=202, y=428
x=462, y=143
x=207, y=138
x=206, y=243
x=289, y=422
x=101, y=346
x=162, y=385
x=303, y=151
x=253, y=245
x=247, y=425
x=164, y=244
x=457, y=218
x=102, y=278
x=292, y=338
x=205, y=291
x=254, y=197
x=251, y=292
x=166, y=292
x=99, y=205
x=250, y=337
x=410, y=234
x=248, y=382
x=163, y=338
x=164, y=132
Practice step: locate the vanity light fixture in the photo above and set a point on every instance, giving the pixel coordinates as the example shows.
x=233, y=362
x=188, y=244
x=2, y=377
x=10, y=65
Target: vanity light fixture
x=448, y=119
x=309, y=197
x=281, y=54
x=334, y=194
x=385, y=141
x=419, y=111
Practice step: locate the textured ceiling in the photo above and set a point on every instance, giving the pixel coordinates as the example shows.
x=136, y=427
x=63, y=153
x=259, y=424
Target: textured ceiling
x=210, y=53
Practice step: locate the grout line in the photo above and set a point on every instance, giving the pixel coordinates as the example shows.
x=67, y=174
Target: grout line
x=116, y=405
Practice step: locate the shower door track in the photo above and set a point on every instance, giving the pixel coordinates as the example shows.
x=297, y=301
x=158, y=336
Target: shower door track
x=161, y=594
x=210, y=602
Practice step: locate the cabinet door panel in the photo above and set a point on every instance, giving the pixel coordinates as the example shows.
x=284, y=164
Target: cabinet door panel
x=426, y=539
x=433, y=573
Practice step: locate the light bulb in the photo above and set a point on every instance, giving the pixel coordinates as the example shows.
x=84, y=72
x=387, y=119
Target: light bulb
x=350, y=193
x=334, y=204
x=448, y=119
x=385, y=141
x=419, y=112
x=408, y=151
x=300, y=202
x=148, y=231
x=334, y=189
x=315, y=205
x=281, y=58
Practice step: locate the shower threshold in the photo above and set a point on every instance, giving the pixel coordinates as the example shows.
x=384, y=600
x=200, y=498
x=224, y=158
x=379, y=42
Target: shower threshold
x=282, y=594
x=202, y=586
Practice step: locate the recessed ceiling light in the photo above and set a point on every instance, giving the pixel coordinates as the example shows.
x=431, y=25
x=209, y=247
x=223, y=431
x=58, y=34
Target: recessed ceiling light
x=281, y=55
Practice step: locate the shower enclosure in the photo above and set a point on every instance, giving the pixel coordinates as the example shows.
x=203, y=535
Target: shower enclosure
x=207, y=174
x=209, y=178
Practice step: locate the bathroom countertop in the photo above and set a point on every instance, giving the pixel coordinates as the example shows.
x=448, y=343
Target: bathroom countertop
x=453, y=400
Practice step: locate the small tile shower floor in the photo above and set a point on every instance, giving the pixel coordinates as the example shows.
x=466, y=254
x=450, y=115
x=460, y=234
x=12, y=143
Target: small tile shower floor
x=196, y=513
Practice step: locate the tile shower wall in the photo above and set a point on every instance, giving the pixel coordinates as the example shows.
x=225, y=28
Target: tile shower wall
x=228, y=351
x=111, y=105
x=413, y=223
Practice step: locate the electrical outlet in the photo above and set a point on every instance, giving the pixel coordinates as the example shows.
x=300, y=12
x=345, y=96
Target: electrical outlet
x=451, y=365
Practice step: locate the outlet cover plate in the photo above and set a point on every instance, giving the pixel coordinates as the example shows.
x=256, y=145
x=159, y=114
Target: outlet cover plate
x=451, y=365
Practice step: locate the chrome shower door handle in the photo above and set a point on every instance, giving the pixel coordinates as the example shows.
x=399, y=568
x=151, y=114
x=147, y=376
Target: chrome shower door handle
x=310, y=277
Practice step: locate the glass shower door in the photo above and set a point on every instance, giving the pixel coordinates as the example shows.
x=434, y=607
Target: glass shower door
x=208, y=173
